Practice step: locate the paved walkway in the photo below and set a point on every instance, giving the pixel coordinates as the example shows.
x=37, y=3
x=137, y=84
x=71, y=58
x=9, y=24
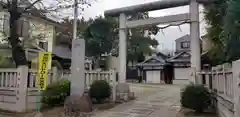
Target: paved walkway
x=152, y=101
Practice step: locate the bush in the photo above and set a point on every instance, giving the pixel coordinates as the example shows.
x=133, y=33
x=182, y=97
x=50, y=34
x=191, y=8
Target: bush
x=56, y=93
x=100, y=90
x=196, y=97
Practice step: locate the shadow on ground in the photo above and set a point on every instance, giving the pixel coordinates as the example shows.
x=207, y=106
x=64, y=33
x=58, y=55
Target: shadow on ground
x=189, y=113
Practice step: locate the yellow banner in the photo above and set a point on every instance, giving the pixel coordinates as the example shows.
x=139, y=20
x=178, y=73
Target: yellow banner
x=44, y=59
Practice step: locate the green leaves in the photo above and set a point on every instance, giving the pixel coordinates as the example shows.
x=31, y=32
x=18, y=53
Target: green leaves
x=221, y=18
x=196, y=97
x=56, y=93
x=138, y=45
x=231, y=30
x=224, y=26
x=100, y=36
x=100, y=90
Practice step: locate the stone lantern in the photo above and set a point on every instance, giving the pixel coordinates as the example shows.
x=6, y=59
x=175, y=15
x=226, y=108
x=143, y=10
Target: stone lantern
x=23, y=25
x=23, y=28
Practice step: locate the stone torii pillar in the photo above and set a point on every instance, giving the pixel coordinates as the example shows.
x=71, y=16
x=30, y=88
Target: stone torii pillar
x=163, y=4
x=195, y=39
x=122, y=48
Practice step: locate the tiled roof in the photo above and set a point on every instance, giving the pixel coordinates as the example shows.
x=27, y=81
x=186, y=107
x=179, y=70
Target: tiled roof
x=179, y=57
x=159, y=59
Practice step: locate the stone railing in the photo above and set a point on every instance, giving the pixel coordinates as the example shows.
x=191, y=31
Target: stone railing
x=19, y=90
x=223, y=81
x=8, y=78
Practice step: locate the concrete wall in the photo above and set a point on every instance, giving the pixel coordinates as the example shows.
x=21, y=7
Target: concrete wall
x=153, y=76
x=8, y=99
x=182, y=75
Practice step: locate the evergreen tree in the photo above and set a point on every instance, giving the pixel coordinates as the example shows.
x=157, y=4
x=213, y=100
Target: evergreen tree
x=214, y=17
x=231, y=30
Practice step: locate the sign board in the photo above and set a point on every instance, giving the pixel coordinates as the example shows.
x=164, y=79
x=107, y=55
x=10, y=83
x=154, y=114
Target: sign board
x=44, y=59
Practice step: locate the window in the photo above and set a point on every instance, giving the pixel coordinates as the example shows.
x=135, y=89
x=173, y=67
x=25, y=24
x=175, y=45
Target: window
x=185, y=44
x=43, y=45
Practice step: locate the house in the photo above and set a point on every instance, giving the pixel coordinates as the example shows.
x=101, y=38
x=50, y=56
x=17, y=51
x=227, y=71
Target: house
x=156, y=69
x=113, y=62
x=178, y=65
x=176, y=69
x=182, y=59
x=39, y=33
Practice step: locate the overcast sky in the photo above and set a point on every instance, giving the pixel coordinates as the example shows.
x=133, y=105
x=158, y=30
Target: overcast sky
x=167, y=37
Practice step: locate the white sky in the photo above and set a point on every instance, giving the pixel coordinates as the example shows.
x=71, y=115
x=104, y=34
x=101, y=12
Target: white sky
x=170, y=34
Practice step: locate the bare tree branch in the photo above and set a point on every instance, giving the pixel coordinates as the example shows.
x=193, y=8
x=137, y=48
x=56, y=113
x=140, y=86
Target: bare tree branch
x=8, y=3
x=30, y=6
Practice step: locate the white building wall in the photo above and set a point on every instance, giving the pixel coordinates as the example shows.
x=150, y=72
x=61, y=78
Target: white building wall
x=153, y=76
x=182, y=75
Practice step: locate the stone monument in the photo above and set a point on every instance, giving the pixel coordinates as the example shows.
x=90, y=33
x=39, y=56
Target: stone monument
x=77, y=67
x=73, y=106
x=78, y=101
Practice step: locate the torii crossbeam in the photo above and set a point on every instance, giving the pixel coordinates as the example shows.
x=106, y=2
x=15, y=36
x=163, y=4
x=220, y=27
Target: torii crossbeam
x=193, y=18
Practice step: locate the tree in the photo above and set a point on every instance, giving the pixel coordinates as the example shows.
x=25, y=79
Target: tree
x=17, y=8
x=100, y=36
x=231, y=31
x=99, y=41
x=223, y=20
x=140, y=42
x=214, y=17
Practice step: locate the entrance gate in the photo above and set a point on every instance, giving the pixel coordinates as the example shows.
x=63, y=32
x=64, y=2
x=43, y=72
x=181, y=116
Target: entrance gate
x=192, y=18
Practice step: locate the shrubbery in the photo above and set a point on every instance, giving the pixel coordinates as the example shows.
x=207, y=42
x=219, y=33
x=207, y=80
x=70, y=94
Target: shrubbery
x=196, y=97
x=56, y=93
x=99, y=91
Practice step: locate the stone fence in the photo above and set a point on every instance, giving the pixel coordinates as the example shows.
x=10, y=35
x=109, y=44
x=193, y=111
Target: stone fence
x=224, y=82
x=19, y=90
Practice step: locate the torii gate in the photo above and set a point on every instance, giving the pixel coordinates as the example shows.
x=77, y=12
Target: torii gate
x=193, y=17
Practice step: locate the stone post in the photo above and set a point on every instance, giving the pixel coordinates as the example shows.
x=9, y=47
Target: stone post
x=21, y=91
x=113, y=78
x=193, y=76
x=236, y=88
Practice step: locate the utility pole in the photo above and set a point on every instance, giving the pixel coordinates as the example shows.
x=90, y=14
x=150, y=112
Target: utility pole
x=77, y=59
x=75, y=19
